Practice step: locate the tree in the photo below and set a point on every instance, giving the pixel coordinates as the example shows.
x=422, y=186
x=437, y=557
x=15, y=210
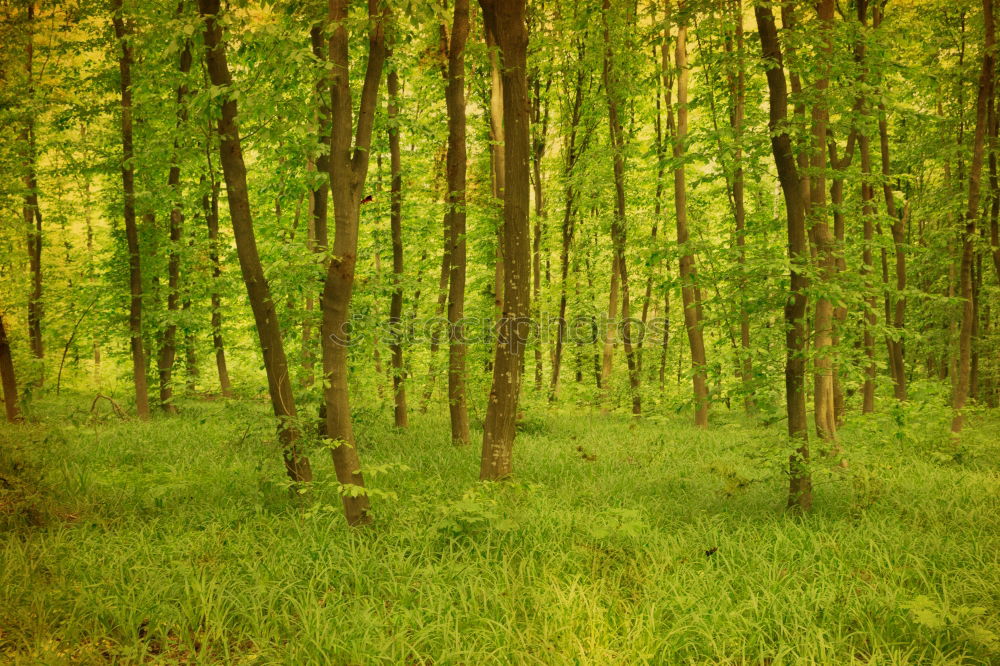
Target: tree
x=961, y=386
x=122, y=35
x=690, y=291
x=396, y=224
x=258, y=290
x=800, y=484
x=168, y=346
x=505, y=20
x=455, y=223
x=348, y=171
x=8, y=381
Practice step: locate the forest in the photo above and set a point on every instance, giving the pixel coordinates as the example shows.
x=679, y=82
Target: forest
x=499, y=331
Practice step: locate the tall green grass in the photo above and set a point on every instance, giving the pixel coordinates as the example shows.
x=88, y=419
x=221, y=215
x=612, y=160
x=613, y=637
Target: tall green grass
x=618, y=542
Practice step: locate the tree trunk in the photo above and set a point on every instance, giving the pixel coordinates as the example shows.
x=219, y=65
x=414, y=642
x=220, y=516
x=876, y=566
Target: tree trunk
x=7, y=379
x=800, y=480
x=123, y=36
x=168, y=346
x=506, y=21
x=823, y=402
x=961, y=386
x=455, y=223
x=258, y=291
x=690, y=293
x=210, y=205
x=32, y=213
x=618, y=231
x=572, y=154
x=400, y=417
x=348, y=172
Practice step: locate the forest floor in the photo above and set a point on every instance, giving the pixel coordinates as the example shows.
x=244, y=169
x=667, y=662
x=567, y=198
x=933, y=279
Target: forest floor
x=618, y=542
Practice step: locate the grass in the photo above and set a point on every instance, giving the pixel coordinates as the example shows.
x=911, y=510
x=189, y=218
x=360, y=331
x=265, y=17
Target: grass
x=619, y=542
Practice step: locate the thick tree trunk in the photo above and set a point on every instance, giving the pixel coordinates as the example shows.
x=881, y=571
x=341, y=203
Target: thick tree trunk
x=455, y=223
x=690, y=293
x=400, y=417
x=868, y=270
x=506, y=21
x=961, y=385
x=123, y=36
x=800, y=480
x=348, y=172
x=8, y=381
x=168, y=345
x=258, y=291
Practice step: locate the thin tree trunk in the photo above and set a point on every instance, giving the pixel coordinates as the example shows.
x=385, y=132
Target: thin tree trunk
x=618, y=231
x=572, y=155
x=210, y=206
x=505, y=20
x=961, y=386
x=690, y=293
x=32, y=213
x=168, y=346
x=123, y=36
x=258, y=291
x=800, y=480
x=400, y=417
x=823, y=402
x=455, y=223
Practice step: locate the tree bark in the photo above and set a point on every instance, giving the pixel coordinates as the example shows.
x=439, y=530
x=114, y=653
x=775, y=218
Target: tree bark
x=690, y=293
x=618, y=230
x=258, y=291
x=210, y=206
x=569, y=218
x=168, y=346
x=961, y=385
x=505, y=19
x=455, y=223
x=8, y=380
x=31, y=212
x=823, y=403
x=400, y=417
x=800, y=480
x=348, y=172
x=123, y=35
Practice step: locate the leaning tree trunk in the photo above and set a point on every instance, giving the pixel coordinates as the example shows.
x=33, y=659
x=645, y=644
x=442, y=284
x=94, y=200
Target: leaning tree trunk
x=123, y=36
x=690, y=293
x=348, y=172
x=396, y=225
x=800, y=480
x=961, y=385
x=258, y=291
x=8, y=381
x=455, y=223
x=168, y=346
x=505, y=20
